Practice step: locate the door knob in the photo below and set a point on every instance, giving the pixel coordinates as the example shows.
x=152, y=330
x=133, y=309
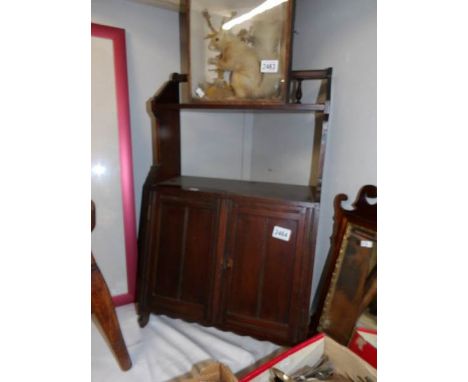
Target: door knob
x=228, y=263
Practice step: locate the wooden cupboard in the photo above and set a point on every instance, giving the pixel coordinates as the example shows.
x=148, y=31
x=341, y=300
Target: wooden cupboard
x=206, y=248
x=212, y=257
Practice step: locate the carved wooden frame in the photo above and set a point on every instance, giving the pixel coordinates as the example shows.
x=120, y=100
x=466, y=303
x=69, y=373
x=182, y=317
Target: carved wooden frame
x=362, y=217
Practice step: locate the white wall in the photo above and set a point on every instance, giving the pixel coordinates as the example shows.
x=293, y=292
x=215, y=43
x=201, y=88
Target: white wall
x=342, y=34
x=152, y=37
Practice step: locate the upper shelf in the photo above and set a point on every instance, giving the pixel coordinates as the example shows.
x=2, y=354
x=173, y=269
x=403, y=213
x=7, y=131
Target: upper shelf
x=247, y=106
x=168, y=96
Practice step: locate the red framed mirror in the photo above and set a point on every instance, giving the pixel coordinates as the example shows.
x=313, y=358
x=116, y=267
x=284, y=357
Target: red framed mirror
x=114, y=240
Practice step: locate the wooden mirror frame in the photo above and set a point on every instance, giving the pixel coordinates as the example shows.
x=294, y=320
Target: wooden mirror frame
x=363, y=216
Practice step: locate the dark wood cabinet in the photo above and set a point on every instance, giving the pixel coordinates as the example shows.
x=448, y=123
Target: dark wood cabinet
x=212, y=257
x=233, y=254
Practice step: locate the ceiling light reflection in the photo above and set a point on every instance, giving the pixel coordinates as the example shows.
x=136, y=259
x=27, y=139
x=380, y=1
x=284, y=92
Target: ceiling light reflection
x=265, y=6
x=98, y=169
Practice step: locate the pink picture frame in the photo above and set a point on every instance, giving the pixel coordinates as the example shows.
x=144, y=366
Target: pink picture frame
x=117, y=36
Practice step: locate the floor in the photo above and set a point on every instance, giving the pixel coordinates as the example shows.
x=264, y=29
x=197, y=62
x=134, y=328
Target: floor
x=171, y=349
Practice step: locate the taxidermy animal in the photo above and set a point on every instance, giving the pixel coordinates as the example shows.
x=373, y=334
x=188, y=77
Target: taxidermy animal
x=265, y=36
x=219, y=90
x=237, y=57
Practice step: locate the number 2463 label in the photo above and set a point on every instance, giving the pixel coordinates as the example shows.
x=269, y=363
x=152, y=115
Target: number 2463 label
x=269, y=66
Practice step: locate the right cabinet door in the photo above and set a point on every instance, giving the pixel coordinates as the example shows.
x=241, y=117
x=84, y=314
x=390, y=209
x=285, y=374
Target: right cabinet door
x=266, y=256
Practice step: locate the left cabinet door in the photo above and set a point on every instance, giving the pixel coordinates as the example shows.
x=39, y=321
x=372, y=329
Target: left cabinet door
x=181, y=263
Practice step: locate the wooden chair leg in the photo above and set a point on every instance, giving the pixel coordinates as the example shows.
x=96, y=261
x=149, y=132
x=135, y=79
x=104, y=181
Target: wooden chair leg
x=103, y=309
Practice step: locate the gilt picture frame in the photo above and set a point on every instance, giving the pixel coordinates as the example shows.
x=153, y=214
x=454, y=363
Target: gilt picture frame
x=352, y=276
x=236, y=51
x=349, y=279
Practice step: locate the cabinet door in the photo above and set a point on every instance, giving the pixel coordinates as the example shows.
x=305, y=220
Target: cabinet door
x=264, y=275
x=182, y=255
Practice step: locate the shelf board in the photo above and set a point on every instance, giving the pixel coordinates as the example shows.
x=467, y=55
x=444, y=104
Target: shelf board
x=288, y=107
x=276, y=191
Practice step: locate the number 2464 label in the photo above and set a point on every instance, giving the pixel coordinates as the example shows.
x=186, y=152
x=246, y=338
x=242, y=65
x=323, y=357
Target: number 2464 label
x=281, y=233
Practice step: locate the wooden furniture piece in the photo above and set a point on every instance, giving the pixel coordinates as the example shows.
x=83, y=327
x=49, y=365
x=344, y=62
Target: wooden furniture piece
x=349, y=280
x=206, y=246
x=214, y=261
x=103, y=309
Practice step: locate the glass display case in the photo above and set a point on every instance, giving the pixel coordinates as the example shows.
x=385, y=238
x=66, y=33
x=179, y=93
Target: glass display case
x=237, y=51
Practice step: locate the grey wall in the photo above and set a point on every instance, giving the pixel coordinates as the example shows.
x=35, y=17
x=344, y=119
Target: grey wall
x=216, y=144
x=282, y=147
x=342, y=34
x=152, y=37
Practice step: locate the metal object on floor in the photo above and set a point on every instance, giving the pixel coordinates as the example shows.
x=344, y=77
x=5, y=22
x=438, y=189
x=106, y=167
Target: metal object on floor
x=323, y=370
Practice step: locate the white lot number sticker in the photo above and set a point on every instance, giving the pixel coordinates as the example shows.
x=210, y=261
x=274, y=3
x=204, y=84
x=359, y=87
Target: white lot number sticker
x=281, y=233
x=269, y=66
x=200, y=92
x=367, y=244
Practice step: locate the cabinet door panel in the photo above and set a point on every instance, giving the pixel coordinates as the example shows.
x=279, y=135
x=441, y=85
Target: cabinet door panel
x=184, y=255
x=261, y=287
x=171, y=220
x=198, y=255
x=278, y=273
x=249, y=239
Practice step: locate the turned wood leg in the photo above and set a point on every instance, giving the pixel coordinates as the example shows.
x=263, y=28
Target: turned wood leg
x=104, y=312
x=143, y=318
